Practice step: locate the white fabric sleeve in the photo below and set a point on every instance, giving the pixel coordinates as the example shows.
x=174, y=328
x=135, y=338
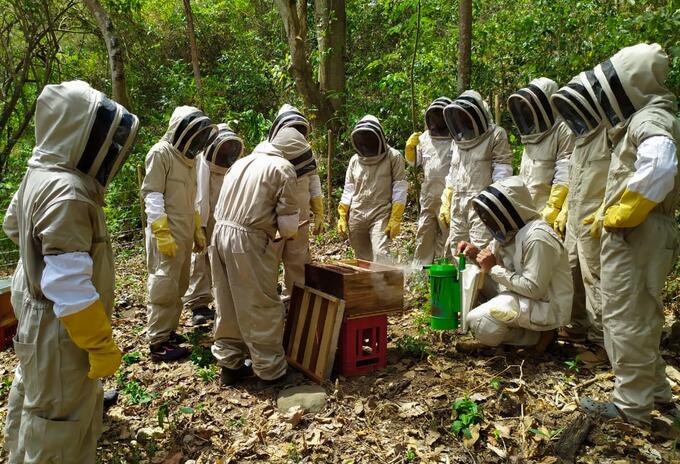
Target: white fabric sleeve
x=501, y=171
x=419, y=154
x=561, y=172
x=314, y=186
x=655, y=168
x=399, y=191
x=288, y=225
x=347, y=193
x=67, y=282
x=154, y=206
x=203, y=190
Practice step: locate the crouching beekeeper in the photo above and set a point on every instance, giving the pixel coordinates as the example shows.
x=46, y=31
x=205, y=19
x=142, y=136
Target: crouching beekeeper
x=64, y=341
x=257, y=199
x=529, y=265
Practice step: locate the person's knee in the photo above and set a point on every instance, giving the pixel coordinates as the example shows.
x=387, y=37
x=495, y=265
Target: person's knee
x=486, y=329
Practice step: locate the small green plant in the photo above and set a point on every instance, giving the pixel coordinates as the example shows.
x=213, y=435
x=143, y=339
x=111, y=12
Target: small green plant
x=237, y=423
x=466, y=414
x=207, y=374
x=497, y=434
x=5, y=386
x=574, y=364
x=162, y=414
x=421, y=320
x=569, y=379
x=294, y=453
x=410, y=455
x=201, y=356
x=121, y=378
x=496, y=383
x=137, y=393
x=412, y=347
x=132, y=357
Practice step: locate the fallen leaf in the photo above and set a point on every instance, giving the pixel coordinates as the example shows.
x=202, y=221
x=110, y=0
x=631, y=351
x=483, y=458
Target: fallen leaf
x=500, y=452
x=411, y=409
x=294, y=415
x=474, y=436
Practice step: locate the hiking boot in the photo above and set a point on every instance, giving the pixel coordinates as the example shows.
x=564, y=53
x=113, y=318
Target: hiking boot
x=201, y=315
x=570, y=335
x=594, y=357
x=168, y=352
x=545, y=341
x=110, y=399
x=287, y=379
x=230, y=377
x=176, y=339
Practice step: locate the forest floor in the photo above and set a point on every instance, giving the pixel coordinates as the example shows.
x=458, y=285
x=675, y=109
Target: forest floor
x=519, y=403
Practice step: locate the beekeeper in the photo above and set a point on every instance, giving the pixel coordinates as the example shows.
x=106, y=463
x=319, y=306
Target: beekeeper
x=432, y=151
x=587, y=181
x=64, y=341
x=211, y=166
x=258, y=199
x=548, y=143
x=174, y=225
x=640, y=237
x=295, y=253
x=527, y=262
x=374, y=197
x=480, y=155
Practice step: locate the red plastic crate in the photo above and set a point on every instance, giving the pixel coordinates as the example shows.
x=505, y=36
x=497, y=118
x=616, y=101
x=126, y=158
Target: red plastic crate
x=363, y=346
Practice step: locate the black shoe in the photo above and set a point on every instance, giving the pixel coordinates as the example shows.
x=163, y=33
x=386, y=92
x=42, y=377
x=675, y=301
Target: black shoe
x=287, y=379
x=176, y=339
x=230, y=377
x=110, y=399
x=167, y=352
x=201, y=315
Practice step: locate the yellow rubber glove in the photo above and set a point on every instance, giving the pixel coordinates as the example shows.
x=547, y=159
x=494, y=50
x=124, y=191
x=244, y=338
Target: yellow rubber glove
x=90, y=330
x=558, y=194
x=394, y=224
x=595, y=221
x=410, y=150
x=200, y=241
x=445, y=210
x=560, y=224
x=631, y=210
x=161, y=230
x=316, y=204
x=343, y=216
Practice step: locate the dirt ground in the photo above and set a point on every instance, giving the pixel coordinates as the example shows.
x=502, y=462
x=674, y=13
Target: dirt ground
x=518, y=404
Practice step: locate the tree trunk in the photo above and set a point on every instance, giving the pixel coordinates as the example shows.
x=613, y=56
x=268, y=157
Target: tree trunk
x=194, y=49
x=464, y=44
x=114, y=51
x=331, y=26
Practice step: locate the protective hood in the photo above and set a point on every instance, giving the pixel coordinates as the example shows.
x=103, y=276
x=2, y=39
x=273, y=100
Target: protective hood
x=505, y=207
x=289, y=116
x=79, y=128
x=224, y=150
x=634, y=78
x=189, y=131
x=576, y=106
x=295, y=149
x=467, y=117
x=434, y=118
x=368, y=138
x=530, y=107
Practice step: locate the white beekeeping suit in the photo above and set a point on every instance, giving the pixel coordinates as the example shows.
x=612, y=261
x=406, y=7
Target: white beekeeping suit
x=640, y=237
x=480, y=156
x=258, y=199
x=66, y=275
x=531, y=271
x=174, y=225
x=587, y=181
x=548, y=143
x=374, y=196
x=211, y=166
x=295, y=253
x=431, y=150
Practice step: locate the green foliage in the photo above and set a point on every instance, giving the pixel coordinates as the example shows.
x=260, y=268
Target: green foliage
x=132, y=357
x=496, y=383
x=410, y=455
x=201, y=356
x=5, y=386
x=574, y=364
x=137, y=393
x=465, y=413
x=413, y=347
x=207, y=374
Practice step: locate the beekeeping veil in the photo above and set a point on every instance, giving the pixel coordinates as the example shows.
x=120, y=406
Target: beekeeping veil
x=224, y=149
x=434, y=118
x=576, y=106
x=530, y=107
x=368, y=138
x=467, y=117
x=295, y=149
x=189, y=131
x=289, y=116
x=79, y=128
x=505, y=207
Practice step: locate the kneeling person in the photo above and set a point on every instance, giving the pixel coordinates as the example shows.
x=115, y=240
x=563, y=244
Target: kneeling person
x=528, y=263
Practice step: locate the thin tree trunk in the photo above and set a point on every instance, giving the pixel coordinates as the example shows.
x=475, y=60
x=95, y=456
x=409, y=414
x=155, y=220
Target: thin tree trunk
x=114, y=51
x=194, y=49
x=464, y=44
x=331, y=25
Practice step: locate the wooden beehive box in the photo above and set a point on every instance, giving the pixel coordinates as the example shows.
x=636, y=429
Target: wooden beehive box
x=6, y=311
x=368, y=288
